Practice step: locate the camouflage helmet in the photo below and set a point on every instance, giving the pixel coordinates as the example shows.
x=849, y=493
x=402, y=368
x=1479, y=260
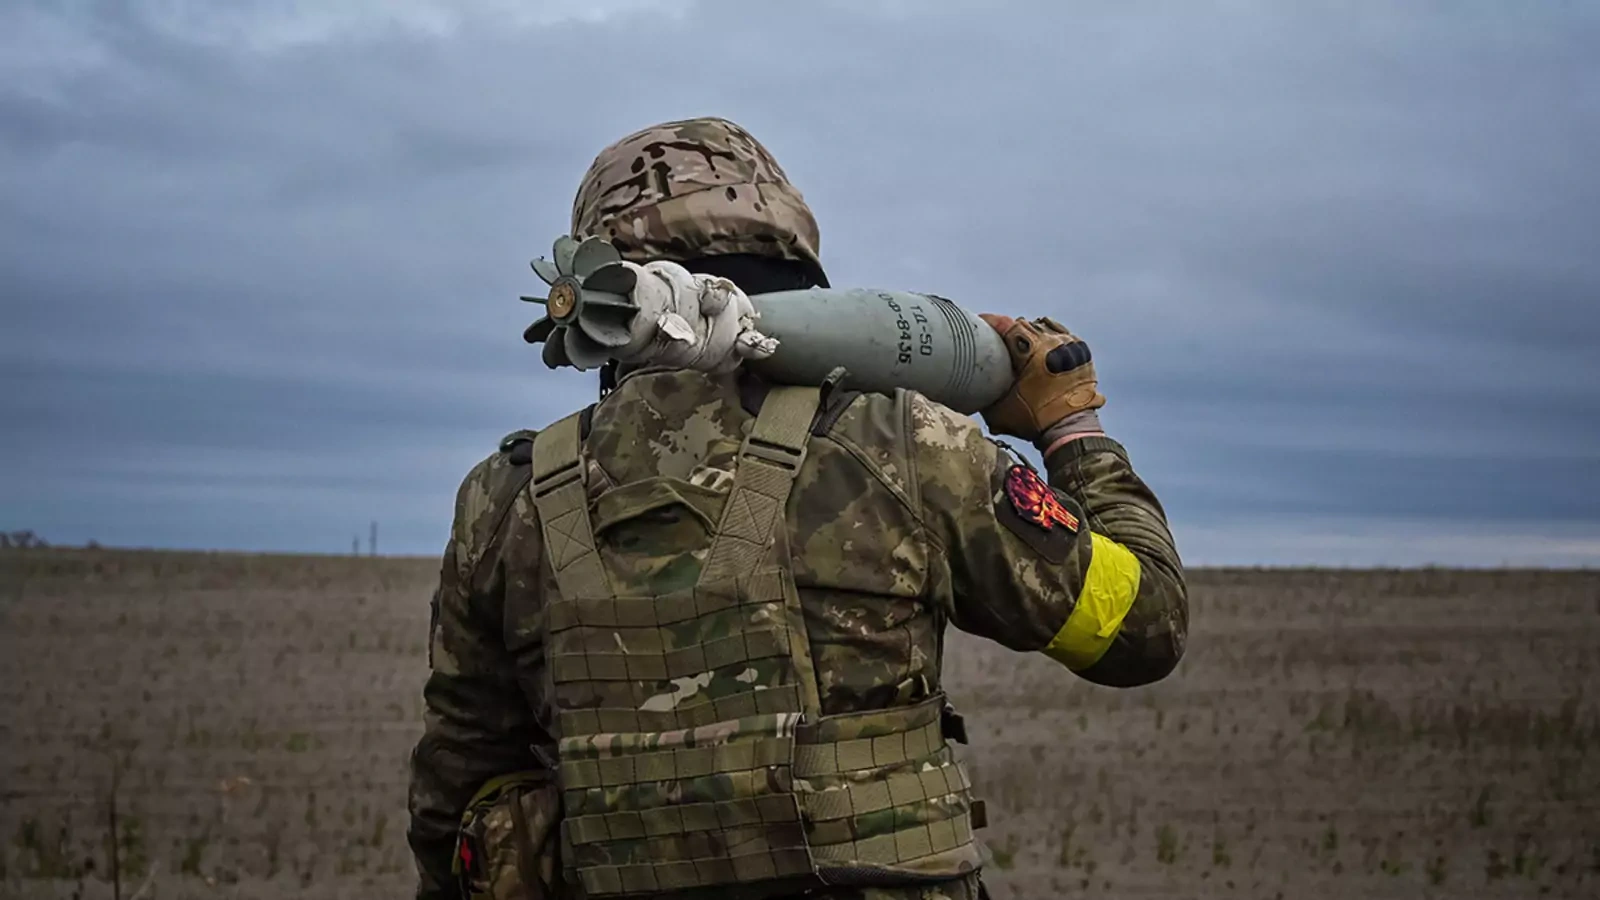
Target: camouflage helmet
x=694, y=187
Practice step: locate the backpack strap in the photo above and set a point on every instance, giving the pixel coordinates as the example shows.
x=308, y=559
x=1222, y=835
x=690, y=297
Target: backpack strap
x=562, y=501
x=769, y=460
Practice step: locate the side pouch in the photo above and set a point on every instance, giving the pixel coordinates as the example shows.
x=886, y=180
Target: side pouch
x=508, y=847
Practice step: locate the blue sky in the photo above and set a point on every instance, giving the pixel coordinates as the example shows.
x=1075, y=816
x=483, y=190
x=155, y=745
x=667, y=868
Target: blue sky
x=259, y=261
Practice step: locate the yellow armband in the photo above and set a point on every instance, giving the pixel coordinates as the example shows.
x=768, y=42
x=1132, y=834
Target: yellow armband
x=1108, y=592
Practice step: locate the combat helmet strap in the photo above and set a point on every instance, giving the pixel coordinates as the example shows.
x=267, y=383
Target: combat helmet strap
x=563, y=505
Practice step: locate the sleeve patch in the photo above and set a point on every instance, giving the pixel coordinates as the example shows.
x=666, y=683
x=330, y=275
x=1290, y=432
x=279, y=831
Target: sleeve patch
x=1033, y=511
x=1036, y=502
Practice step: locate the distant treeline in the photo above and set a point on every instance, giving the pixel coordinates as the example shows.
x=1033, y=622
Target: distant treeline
x=27, y=540
x=21, y=540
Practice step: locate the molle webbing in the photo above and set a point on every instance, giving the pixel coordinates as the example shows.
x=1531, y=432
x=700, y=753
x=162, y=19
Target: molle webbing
x=693, y=714
x=840, y=816
x=563, y=505
x=682, y=662
x=882, y=789
x=857, y=754
x=908, y=845
x=673, y=764
x=594, y=689
x=626, y=642
x=678, y=712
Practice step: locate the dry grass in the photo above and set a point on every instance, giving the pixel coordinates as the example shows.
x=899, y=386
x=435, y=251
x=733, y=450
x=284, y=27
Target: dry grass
x=1330, y=734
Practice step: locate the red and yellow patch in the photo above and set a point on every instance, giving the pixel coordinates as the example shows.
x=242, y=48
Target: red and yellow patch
x=1035, y=502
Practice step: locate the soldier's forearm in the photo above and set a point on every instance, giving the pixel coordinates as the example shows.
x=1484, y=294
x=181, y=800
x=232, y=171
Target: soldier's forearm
x=432, y=837
x=476, y=729
x=1094, y=470
x=438, y=796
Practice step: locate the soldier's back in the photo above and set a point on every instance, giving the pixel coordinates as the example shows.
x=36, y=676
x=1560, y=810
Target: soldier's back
x=796, y=676
x=859, y=551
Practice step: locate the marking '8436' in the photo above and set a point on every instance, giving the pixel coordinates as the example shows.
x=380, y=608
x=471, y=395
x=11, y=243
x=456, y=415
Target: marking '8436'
x=921, y=344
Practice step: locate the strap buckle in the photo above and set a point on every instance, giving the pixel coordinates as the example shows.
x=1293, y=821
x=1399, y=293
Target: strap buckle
x=552, y=481
x=953, y=724
x=783, y=457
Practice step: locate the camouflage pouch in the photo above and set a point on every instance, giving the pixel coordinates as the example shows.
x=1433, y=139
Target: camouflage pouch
x=508, y=847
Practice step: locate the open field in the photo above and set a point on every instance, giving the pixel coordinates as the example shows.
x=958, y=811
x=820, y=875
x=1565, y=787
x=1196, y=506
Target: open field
x=1331, y=734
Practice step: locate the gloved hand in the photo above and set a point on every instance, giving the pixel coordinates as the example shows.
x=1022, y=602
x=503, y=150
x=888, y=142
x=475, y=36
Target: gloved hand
x=689, y=321
x=1055, y=381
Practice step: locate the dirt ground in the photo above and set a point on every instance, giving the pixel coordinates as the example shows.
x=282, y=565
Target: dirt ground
x=1330, y=734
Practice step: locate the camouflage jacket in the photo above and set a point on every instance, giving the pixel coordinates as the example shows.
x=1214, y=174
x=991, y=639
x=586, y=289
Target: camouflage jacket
x=936, y=523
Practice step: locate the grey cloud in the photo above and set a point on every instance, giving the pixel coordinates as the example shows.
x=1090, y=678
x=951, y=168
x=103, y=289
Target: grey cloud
x=1335, y=261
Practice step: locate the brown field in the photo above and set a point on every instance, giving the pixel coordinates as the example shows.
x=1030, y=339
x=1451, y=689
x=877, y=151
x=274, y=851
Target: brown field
x=1330, y=734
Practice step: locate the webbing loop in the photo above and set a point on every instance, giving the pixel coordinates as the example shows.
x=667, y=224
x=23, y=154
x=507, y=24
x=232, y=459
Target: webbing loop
x=562, y=502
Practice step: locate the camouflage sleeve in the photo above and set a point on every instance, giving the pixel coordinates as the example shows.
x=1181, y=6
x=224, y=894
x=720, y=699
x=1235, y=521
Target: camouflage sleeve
x=477, y=724
x=1082, y=569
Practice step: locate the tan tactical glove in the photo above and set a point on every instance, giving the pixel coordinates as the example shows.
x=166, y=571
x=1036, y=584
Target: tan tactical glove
x=1054, y=377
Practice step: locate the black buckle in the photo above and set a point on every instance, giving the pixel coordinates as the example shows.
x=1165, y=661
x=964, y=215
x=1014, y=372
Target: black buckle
x=952, y=724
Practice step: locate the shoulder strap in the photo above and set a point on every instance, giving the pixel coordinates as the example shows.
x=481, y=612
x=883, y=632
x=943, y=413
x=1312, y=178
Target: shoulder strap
x=563, y=505
x=768, y=462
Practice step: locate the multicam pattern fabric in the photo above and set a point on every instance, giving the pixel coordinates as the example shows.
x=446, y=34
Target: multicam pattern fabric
x=896, y=528
x=507, y=849
x=695, y=187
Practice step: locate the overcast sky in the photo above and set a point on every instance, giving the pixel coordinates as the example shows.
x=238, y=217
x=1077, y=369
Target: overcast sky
x=1340, y=264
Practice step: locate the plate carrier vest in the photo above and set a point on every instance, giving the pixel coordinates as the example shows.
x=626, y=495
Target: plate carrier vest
x=748, y=793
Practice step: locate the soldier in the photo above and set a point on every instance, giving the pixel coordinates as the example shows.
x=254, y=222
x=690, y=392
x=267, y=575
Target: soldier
x=688, y=640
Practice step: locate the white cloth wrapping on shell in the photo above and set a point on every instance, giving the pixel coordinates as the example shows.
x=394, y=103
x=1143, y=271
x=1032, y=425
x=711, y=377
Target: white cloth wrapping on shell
x=689, y=321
